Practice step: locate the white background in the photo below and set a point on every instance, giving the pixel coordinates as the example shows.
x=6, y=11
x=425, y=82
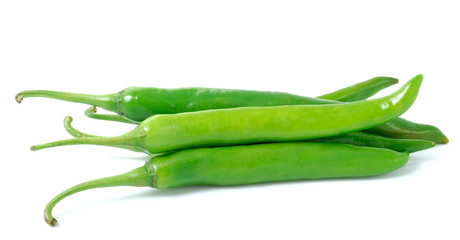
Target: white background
x=301, y=47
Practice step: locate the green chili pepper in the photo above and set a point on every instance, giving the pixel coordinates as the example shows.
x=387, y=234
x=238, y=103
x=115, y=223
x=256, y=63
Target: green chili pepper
x=354, y=138
x=249, y=164
x=170, y=132
x=137, y=103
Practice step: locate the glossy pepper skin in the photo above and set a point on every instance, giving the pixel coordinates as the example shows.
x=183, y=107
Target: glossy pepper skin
x=249, y=164
x=171, y=132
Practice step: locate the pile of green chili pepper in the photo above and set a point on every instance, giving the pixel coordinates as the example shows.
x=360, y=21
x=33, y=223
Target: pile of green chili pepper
x=204, y=136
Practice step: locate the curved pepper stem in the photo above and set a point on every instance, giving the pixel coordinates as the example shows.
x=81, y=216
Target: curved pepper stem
x=131, y=139
x=77, y=134
x=72, y=131
x=91, y=113
x=138, y=177
x=109, y=102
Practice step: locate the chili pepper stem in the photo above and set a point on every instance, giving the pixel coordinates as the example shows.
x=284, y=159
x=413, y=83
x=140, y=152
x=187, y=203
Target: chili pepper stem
x=72, y=131
x=91, y=112
x=109, y=101
x=77, y=134
x=107, y=141
x=139, y=177
x=132, y=138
